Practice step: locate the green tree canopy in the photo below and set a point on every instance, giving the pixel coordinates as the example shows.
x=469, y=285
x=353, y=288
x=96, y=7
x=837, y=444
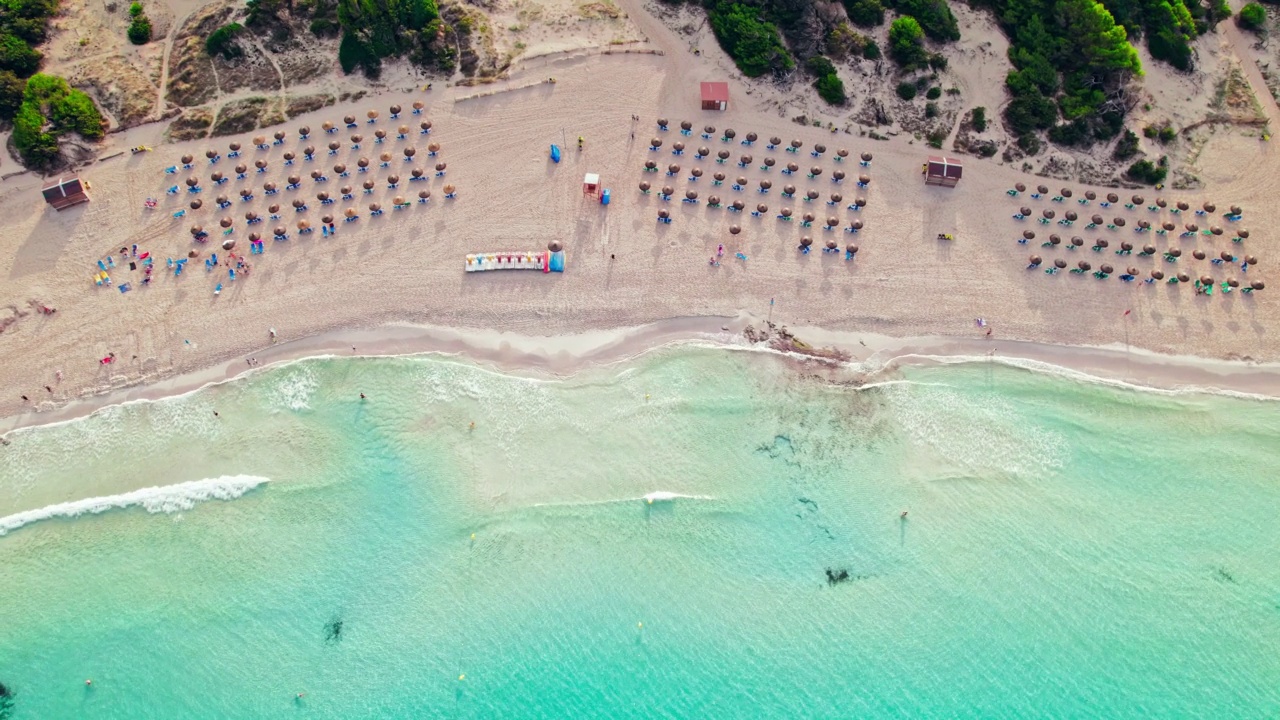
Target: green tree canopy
x=1102, y=44
x=934, y=17
x=906, y=43
x=753, y=43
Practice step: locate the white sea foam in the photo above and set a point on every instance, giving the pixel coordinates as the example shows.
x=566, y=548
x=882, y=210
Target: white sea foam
x=666, y=495
x=1066, y=373
x=166, y=499
x=656, y=496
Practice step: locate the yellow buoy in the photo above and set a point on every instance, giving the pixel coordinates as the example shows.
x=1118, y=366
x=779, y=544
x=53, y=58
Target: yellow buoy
x=639, y=624
x=462, y=676
x=473, y=536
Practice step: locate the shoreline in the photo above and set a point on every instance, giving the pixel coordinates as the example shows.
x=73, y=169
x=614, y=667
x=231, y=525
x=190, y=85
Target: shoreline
x=561, y=355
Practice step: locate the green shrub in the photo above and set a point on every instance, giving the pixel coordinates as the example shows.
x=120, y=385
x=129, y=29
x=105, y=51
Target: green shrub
x=1126, y=146
x=324, y=27
x=1029, y=112
x=906, y=43
x=135, y=10
x=753, y=43
x=1145, y=171
x=930, y=110
x=871, y=51
x=987, y=149
x=906, y=90
x=980, y=119
x=222, y=41
x=70, y=110
x=865, y=13
x=38, y=148
x=17, y=56
x=1029, y=143
x=831, y=89
x=11, y=91
x=1167, y=135
x=76, y=112
x=50, y=108
x=934, y=93
x=1151, y=131
x=936, y=138
x=1252, y=16
x=1072, y=133
x=819, y=66
x=933, y=15
x=353, y=55
x=139, y=31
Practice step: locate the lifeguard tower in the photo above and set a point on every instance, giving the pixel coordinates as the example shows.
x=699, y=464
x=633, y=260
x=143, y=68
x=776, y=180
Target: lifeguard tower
x=591, y=185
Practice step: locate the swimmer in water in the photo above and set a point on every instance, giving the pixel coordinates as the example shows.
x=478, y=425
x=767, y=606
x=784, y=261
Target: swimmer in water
x=473, y=425
x=904, y=514
x=361, y=396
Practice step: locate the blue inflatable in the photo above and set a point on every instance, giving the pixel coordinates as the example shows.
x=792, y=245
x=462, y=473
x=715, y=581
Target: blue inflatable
x=555, y=153
x=604, y=197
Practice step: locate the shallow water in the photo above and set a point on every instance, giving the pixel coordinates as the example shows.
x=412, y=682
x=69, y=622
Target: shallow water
x=1071, y=550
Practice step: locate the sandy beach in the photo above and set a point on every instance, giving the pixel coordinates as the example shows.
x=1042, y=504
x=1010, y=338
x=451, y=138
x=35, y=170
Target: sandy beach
x=625, y=270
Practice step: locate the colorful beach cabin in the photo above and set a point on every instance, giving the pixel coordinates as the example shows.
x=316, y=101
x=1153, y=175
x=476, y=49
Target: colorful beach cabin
x=944, y=171
x=548, y=262
x=591, y=184
x=66, y=192
x=715, y=96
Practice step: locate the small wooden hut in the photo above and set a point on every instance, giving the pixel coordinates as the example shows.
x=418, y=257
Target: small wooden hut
x=944, y=171
x=65, y=192
x=715, y=96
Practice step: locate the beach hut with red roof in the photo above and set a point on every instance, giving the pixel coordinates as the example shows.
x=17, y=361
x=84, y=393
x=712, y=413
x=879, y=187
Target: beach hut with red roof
x=715, y=96
x=944, y=171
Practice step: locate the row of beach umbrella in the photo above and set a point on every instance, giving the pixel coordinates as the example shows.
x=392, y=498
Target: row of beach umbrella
x=321, y=196
x=1160, y=202
x=1106, y=269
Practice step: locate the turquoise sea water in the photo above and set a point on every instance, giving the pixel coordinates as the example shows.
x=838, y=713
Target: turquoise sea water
x=1071, y=550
